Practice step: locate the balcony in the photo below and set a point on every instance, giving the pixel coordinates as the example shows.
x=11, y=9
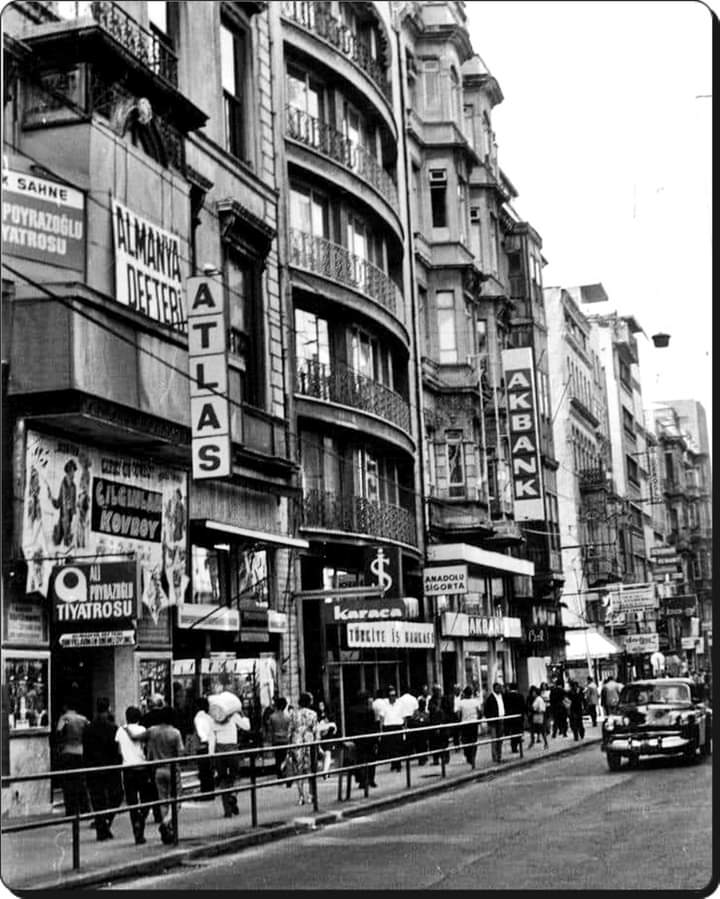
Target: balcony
x=316, y=18
x=338, y=383
x=330, y=260
x=358, y=515
x=331, y=143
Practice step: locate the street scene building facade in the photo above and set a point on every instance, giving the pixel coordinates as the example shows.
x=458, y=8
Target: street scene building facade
x=286, y=405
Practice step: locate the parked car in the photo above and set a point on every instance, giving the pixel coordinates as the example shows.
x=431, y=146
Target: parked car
x=663, y=716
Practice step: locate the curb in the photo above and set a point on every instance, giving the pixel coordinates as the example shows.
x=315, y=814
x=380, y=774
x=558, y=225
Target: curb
x=304, y=824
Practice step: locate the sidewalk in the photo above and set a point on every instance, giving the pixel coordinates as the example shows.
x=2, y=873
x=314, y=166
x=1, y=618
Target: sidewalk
x=42, y=859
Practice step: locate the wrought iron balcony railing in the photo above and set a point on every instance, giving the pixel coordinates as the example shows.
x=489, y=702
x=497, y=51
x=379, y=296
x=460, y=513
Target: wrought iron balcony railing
x=358, y=515
x=332, y=143
x=338, y=383
x=594, y=478
x=331, y=260
x=316, y=17
x=144, y=45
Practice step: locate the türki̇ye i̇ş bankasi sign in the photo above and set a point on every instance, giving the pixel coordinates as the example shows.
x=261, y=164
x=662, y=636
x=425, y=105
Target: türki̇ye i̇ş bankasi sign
x=148, y=276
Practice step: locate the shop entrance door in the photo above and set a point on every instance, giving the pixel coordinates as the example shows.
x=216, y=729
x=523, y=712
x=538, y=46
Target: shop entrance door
x=346, y=679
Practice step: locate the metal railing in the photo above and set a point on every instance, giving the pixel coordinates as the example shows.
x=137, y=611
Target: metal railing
x=440, y=746
x=326, y=139
x=144, y=45
x=358, y=515
x=316, y=18
x=338, y=383
x=331, y=260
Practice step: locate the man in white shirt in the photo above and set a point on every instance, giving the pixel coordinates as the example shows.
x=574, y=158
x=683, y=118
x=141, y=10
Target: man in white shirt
x=137, y=781
x=223, y=738
x=203, y=724
x=408, y=703
x=495, y=712
x=378, y=704
x=392, y=724
x=469, y=710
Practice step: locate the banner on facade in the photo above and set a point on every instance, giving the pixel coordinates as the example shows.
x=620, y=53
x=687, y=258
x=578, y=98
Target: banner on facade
x=633, y=598
x=43, y=220
x=460, y=624
x=398, y=634
x=85, y=504
x=204, y=616
x=148, y=268
x=207, y=360
x=675, y=606
x=639, y=643
x=445, y=580
x=526, y=471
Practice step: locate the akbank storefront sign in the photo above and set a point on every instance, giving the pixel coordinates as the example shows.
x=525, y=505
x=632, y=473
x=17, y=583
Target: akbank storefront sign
x=460, y=624
x=88, y=504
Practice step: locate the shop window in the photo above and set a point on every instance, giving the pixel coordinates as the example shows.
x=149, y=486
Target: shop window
x=25, y=678
x=234, y=75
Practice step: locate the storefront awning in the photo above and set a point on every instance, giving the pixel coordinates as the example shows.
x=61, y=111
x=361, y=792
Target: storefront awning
x=259, y=536
x=581, y=644
x=473, y=555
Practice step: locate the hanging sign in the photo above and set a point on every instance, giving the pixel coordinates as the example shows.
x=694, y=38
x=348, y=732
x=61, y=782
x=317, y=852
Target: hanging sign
x=207, y=357
x=638, y=643
x=97, y=638
x=445, y=580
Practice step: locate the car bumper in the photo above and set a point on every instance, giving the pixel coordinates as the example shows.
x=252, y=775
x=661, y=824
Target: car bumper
x=645, y=745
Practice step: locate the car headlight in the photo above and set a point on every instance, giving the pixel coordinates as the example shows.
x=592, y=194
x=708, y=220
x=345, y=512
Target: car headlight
x=609, y=724
x=626, y=721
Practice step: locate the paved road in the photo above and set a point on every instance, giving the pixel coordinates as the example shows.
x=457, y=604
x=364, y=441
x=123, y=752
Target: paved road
x=565, y=824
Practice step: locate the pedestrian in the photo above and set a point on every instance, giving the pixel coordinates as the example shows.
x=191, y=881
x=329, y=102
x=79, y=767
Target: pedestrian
x=326, y=730
x=558, y=709
x=538, y=720
x=515, y=709
x=419, y=739
x=469, y=711
x=378, y=705
x=164, y=743
x=408, y=703
x=361, y=720
x=100, y=750
x=545, y=693
x=202, y=728
x=136, y=775
x=438, y=714
x=224, y=738
x=575, y=712
x=611, y=694
x=69, y=731
x=455, y=716
x=591, y=700
x=278, y=726
x=303, y=730
x=494, y=711
x=152, y=716
x=392, y=724
x=426, y=694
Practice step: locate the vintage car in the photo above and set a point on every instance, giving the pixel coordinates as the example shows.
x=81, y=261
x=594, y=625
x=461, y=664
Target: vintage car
x=664, y=716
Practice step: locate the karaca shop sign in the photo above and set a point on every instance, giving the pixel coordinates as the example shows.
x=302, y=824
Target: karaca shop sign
x=339, y=611
x=95, y=593
x=518, y=371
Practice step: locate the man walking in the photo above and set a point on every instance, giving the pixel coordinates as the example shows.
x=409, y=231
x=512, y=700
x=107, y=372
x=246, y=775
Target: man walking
x=164, y=742
x=514, y=705
x=136, y=776
x=495, y=712
x=392, y=723
x=100, y=749
x=591, y=700
x=361, y=720
x=611, y=694
x=576, y=711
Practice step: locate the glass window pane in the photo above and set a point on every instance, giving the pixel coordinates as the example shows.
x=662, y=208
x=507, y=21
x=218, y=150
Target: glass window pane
x=227, y=60
x=157, y=14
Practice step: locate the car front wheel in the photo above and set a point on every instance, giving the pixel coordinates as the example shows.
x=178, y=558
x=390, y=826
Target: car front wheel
x=613, y=760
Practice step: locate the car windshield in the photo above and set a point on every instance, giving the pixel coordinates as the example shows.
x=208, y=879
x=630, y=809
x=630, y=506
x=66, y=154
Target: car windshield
x=640, y=694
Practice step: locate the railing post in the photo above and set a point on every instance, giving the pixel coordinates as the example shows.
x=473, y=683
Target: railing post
x=313, y=778
x=442, y=760
x=407, y=772
x=522, y=736
x=76, y=840
x=253, y=792
x=174, y=795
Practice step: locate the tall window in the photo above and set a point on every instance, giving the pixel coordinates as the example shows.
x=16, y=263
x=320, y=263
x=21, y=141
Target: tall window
x=309, y=212
x=370, y=358
x=438, y=197
x=455, y=462
x=455, y=98
x=431, y=83
x=245, y=343
x=447, y=337
x=311, y=337
x=233, y=63
x=307, y=107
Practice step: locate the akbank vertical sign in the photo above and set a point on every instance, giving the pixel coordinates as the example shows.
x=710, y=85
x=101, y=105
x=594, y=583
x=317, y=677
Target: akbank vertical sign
x=526, y=473
x=207, y=357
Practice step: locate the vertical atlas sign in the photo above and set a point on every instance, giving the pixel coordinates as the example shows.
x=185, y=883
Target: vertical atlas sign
x=518, y=371
x=207, y=357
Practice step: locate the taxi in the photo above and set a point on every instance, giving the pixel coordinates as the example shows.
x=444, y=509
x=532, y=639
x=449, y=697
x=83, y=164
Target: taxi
x=663, y=716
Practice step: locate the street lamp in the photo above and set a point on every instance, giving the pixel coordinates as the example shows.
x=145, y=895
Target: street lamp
x=661, y=340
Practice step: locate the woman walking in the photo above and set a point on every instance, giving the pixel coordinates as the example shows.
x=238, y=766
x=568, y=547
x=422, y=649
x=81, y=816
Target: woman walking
x=537, y=717
x=303, y=729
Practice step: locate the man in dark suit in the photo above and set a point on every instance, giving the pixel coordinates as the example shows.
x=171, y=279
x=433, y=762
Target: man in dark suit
x=361, y=720
x=494, y=711
x=514, y=705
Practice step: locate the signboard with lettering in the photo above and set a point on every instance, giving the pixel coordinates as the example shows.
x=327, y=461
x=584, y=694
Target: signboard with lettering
x=445, y=580
x=148, y=268
x=43, y=220
x=338, y=611
x=401, y=634
x=95, y=595
x=675, y=606
x=633, y=598
x=526, y=471
x=83, y=502
x=97, y=638
x=637, y=643
x=25, y=621
x=459, y=624
x=207, y=617
x=383, y=568
x=207, y=358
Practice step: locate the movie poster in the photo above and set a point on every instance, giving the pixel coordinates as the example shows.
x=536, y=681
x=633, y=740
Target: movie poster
x=81, y=502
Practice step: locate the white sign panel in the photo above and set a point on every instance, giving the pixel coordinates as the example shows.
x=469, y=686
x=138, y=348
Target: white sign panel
x=635, y=643
x=97, y=638
x=634, y=598
x=207, y=358
x=690, y=642
x=445, y=580
x=404, y=634
x=148, y=270
x=202, y=616
x=526, y=471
